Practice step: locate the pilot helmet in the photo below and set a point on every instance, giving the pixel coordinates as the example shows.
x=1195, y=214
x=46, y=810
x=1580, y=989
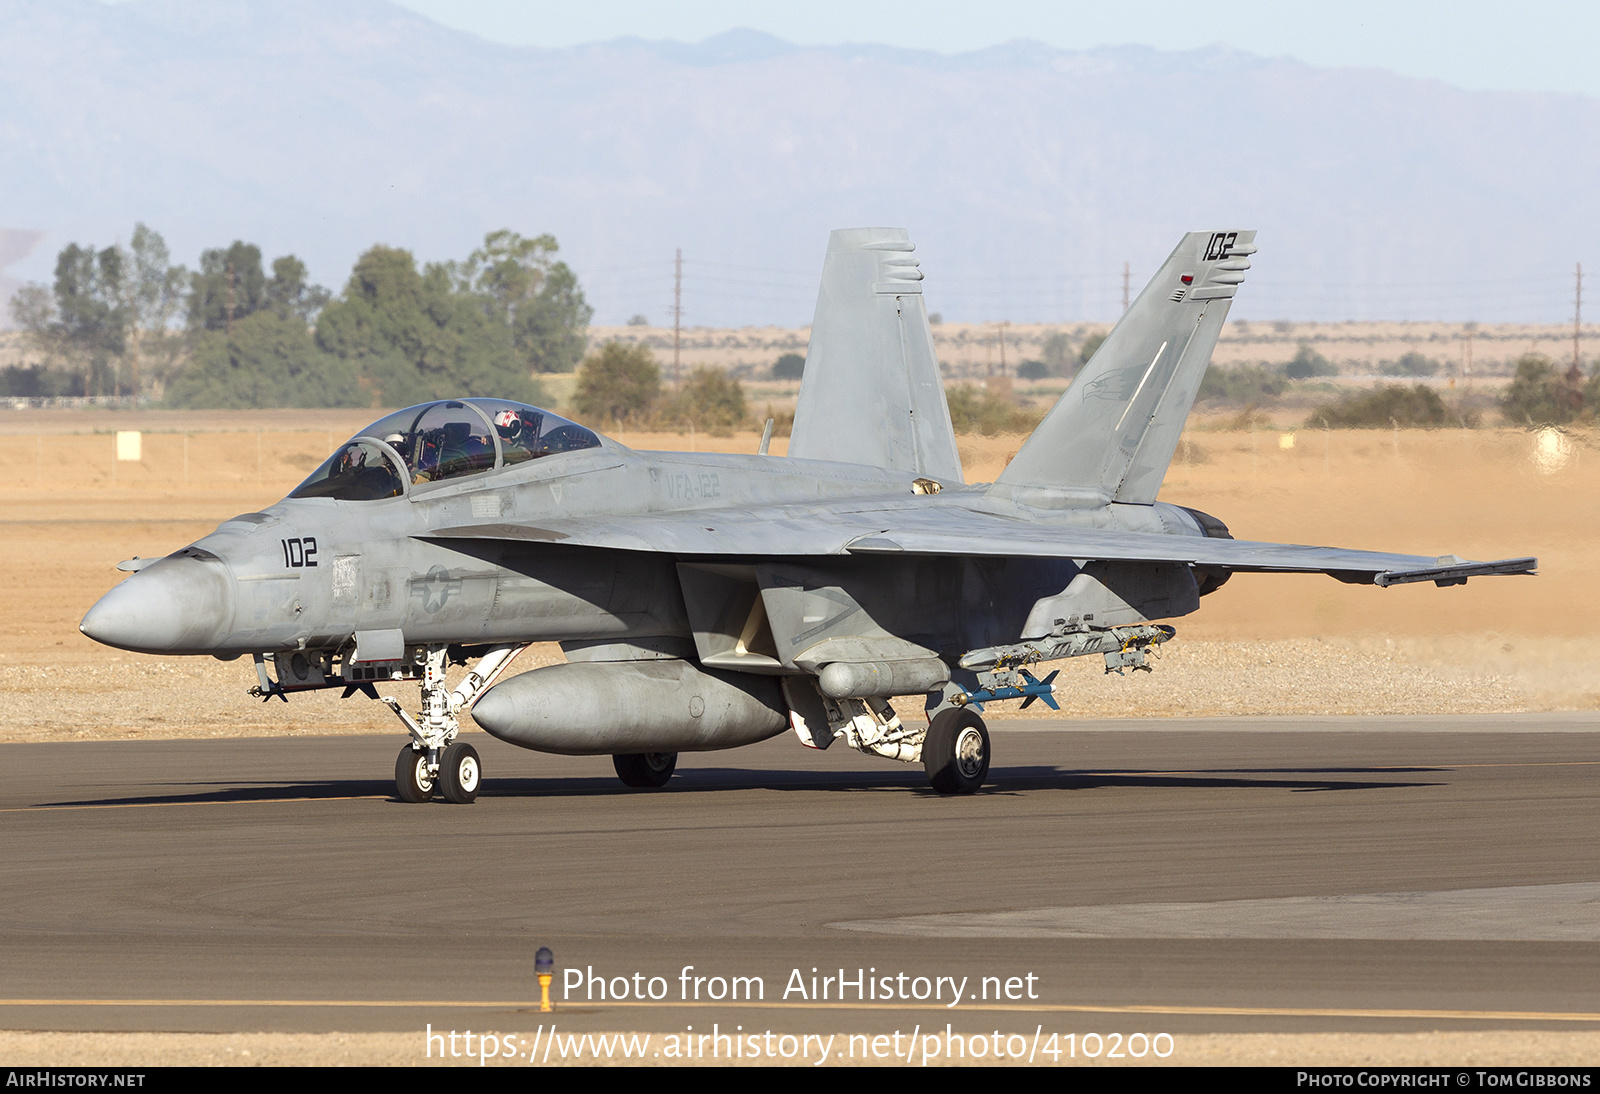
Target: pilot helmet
x=509, y=424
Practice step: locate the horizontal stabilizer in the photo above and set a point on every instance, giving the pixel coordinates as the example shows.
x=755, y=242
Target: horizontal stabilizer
x=1455, y=571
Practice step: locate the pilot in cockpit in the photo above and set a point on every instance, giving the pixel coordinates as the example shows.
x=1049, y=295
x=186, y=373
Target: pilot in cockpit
x=518, y=434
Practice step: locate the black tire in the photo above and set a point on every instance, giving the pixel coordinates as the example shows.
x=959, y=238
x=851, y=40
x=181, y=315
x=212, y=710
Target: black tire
x=411, y=781
x=955, y=753
x=645, y=769
x=460, y=773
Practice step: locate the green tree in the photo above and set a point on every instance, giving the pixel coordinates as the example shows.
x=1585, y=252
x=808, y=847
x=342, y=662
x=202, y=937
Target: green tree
x=1540, y=394
x=33, y=309
x=414, y=336
x=35, y=381
x=1412, y=364
x=617, y=383
x=1091, y=346
x=1591, y=389
x=268, y=360
x=790, y=366
x=525, y=287
x=228, y=286
x=86, y=319
x=1241, y=385
x=710, y=400
x=1386, y=406
x=1308, y=363
x=977, y=410
x=106, y=308
x=154, y=294
x=290, y=293
x=1059, y=356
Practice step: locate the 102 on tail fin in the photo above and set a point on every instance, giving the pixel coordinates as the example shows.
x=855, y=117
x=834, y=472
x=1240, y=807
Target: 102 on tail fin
x=1112, y=434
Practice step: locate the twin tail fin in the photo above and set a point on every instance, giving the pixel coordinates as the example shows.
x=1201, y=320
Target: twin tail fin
x=1112, y=434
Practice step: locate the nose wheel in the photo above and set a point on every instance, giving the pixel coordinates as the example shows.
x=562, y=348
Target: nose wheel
x=459, y=773
x=413, y=778
x=456, y=777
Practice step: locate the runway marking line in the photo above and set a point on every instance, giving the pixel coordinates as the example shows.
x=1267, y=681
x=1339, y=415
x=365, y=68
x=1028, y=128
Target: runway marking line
x=157, y=805
x=1052, y=1008
x=1419, y=768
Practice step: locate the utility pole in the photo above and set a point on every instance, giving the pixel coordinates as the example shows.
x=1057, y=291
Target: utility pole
x=677, y=312
x=1002, y=325
x=230, y=299
x=1124, y=286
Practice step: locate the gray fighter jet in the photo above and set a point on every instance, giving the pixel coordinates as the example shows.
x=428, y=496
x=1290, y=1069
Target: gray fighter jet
x=709, y=601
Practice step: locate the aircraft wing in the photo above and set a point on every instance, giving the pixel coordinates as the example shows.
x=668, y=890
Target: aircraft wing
x=932, y=528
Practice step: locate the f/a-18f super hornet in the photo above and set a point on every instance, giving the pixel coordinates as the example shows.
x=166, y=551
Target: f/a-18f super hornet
x=709, y=601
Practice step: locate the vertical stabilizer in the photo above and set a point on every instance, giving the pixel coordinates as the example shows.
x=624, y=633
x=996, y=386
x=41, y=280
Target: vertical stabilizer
x=871, y=392
x=1113, y=432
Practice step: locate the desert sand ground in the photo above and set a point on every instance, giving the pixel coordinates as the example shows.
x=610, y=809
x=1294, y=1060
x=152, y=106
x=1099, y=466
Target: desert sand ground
x=1495, y=1048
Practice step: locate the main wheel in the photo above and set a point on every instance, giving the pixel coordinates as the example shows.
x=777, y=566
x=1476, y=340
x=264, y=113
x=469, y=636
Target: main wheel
x=412, y=783
x=460, y=772
x=645, y=768
x=955, y=753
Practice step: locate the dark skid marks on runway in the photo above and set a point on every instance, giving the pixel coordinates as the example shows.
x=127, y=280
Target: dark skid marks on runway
x=1009, y=780
x=1023, y=779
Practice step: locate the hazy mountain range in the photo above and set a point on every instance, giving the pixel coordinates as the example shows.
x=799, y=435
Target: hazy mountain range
x=1027, y=174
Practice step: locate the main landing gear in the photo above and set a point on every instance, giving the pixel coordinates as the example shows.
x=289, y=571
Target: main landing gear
x=955, y=751
x=645, y=769
x=954, y=748
x=434, y=760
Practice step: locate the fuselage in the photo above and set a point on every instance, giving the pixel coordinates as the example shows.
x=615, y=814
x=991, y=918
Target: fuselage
x=308, y=573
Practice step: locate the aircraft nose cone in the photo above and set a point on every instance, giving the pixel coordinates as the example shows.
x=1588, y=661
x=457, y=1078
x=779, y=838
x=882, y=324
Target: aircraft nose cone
x=177, y=605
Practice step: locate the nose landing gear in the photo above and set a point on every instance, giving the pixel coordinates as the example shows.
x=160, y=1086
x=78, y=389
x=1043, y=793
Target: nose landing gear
x=413, y=776
x=456, y=774
x=459, y=773
x=434, y=759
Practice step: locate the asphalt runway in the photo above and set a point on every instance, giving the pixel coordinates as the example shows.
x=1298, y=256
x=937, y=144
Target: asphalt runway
x=1385, y=874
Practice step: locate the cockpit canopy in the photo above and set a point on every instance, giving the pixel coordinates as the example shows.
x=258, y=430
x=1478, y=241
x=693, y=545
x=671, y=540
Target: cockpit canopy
x=434, y=442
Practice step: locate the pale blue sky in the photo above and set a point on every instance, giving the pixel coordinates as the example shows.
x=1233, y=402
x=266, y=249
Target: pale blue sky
x=1533, y=45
